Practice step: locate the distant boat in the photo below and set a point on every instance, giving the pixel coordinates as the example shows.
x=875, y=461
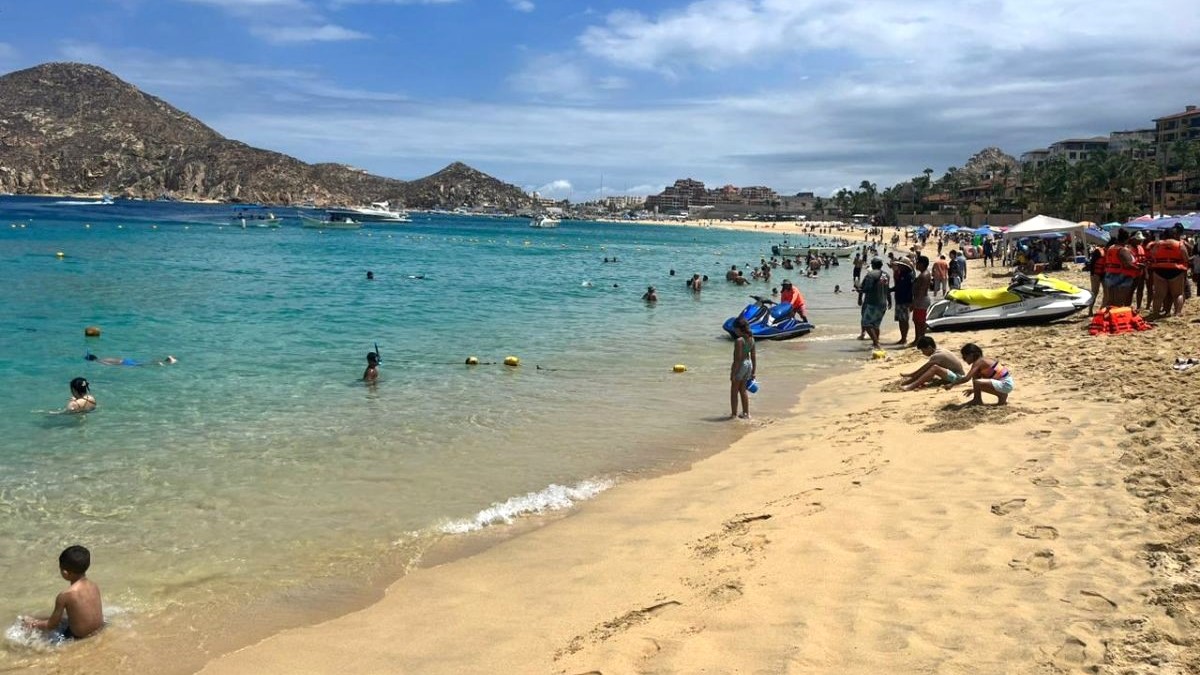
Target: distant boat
x=255, y=215
x=331, y=223
x=377, y=212
x=106, y=200
x=543, y=222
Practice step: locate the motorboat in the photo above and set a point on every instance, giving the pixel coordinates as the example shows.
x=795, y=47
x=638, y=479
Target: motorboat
x=770, y=320
x=543, y=222
x=105, y=200
x=330, y=223
x=1027, y=300
x=255, y=215
x=377, y=212
x=785, y=250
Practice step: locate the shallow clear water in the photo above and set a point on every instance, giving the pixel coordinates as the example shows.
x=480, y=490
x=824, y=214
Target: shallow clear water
x=259, y=460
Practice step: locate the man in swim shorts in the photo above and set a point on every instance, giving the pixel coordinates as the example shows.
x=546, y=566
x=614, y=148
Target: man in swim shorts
x=874, y=299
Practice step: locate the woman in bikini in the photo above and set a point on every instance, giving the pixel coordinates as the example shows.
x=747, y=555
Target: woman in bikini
x=986, y=376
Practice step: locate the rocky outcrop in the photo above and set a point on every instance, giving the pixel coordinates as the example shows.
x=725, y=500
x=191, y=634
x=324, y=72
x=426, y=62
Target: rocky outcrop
x=68, y=128
x=988, y=162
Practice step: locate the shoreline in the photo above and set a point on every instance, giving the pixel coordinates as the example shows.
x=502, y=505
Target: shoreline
x=928, y=549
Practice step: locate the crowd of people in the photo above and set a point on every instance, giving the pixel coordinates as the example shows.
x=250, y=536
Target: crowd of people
x=1142, y=272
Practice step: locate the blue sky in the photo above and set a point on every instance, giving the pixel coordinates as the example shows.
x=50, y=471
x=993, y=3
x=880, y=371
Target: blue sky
x=556, y=94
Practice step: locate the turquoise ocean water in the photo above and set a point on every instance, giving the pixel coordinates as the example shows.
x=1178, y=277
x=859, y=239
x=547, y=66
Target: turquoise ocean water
x=259, y=462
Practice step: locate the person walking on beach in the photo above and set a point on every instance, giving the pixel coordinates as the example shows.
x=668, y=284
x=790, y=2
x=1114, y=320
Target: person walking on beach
x=858, y=265
x=875, y=300
x=78, y=611
x=745, y=365
x=902, y=291
x=941, y=276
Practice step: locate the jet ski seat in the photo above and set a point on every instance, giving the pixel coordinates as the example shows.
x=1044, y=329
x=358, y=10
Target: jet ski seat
x=984, y=297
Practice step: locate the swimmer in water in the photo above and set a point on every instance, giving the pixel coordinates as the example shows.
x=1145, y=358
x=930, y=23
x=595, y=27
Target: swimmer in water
x=837, y=288
x=370, y=275
x=371, y=374
x=114, y=361
x=82, y=400
x=651, y=295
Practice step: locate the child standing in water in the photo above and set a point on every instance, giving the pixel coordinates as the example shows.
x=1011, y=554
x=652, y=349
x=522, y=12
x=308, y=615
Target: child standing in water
x=985, y=375
x=78, y=611
x=745, y=365
x=371, y=374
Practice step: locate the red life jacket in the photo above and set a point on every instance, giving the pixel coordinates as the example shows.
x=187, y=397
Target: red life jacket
x=1168, y=254
x=1114, y=265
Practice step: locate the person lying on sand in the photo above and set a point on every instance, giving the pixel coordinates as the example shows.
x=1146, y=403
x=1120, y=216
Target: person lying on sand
x=941, y=367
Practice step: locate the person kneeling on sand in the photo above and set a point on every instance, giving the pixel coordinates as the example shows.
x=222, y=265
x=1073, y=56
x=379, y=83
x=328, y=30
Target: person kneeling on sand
x=941, y=367
x=986, y=376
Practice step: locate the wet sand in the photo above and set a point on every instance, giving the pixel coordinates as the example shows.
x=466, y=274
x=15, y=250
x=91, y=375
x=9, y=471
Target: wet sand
x=870, y=530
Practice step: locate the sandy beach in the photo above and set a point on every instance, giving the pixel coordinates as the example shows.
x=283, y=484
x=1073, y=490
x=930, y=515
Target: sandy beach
x=872, y=530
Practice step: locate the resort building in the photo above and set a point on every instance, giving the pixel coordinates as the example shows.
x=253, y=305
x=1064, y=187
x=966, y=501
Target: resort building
x=1034, y=159
x=1137, y=143
x=1184, y=126
x=688, y=193
x=1075, y=150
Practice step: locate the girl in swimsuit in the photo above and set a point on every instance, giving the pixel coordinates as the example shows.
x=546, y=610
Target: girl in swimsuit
x=986, y=376
x=82, y=400
x=745, y=365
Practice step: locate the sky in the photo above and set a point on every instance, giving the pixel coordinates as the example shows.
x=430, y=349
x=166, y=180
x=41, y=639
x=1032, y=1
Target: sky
x=578, y=99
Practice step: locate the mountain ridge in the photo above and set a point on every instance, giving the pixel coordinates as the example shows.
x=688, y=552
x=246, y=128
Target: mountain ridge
x=71, y=128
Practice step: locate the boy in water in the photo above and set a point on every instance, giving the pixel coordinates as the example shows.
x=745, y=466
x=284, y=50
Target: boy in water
x=78, y=612
x=371, y=374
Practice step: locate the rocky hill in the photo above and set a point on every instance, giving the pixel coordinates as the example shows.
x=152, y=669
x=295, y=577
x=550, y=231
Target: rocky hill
x=68, y=128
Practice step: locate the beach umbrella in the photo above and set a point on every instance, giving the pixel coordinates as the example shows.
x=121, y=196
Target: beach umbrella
x=950, y=229
x=1110, y=226
x=986, y=230
x=1087, y=223
x=1142, y=218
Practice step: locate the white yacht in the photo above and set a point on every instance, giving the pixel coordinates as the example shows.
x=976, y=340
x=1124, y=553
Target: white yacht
x=377, y=212
x=543, y=222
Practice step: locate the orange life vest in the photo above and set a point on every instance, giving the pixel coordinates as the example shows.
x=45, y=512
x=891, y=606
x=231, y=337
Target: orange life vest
x=1168, y=254
x=1114, y=265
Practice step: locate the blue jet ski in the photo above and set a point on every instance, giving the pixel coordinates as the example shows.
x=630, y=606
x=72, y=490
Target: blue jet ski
x=770, y=320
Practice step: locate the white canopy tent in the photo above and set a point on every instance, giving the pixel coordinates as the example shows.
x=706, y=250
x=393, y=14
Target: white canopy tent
x=1038, y=226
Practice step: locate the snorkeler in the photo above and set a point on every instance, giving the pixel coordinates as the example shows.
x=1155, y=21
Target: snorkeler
x=114, y=361
x=371, y=374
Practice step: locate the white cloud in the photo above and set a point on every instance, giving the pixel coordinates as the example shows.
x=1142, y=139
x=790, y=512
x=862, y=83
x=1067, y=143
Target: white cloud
x=558, y=77
x=522, y=5
x=723, y=34
x=284, y=22
x=557, y=189
x=293, y=34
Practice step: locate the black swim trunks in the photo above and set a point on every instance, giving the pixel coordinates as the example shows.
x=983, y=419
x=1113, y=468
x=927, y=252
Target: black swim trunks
x=1168, y=274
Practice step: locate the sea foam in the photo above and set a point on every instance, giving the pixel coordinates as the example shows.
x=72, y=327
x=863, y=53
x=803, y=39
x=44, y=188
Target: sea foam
x=552, y=498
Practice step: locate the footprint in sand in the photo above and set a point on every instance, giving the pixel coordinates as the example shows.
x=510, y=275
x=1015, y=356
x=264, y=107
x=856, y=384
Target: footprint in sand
x=1044, y=481
x=1039, y=532
x=1039, y=562
x=1006, y=507
x=727, y=592
x=1073, y=650
x=1030, y=466
x=1039, y=433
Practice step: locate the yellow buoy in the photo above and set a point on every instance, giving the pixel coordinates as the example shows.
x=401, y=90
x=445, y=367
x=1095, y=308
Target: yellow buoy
x=679, y=368
x=60, y=254
x=472, y=361
x=92, y=331
x=878, y=355
x=512, y=361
